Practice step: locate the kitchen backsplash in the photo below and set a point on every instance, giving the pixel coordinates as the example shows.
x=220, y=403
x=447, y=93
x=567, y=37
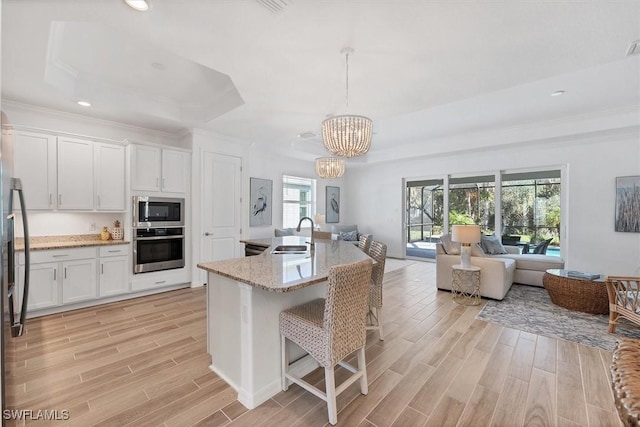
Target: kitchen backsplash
x=60, y=224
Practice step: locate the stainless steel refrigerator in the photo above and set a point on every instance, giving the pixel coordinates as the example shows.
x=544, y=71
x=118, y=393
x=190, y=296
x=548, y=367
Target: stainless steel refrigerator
x=14, y=301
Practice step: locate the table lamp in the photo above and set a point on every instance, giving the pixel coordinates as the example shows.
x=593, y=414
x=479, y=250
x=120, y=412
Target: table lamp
x=319, y=219
x=466, y=235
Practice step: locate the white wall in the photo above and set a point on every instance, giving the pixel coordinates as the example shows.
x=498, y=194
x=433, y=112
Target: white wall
x=593, y=162
x=257, y=163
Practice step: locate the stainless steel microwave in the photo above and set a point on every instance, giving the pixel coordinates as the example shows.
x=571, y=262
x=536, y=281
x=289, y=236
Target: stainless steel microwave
x=157, y=212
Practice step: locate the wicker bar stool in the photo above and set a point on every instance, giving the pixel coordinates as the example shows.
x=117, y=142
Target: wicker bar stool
x=364, y=242
x=625, y=380
x=329, y=330
x=378, y=252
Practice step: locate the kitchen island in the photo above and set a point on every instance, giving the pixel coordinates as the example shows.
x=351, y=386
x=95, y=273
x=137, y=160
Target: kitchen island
x=244, y=299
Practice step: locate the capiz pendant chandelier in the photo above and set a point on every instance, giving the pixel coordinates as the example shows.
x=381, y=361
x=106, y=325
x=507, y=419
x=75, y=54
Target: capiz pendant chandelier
x=329, y=167
x=347, y=135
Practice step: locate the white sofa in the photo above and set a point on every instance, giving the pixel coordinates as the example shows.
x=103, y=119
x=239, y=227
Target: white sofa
x=498, y=272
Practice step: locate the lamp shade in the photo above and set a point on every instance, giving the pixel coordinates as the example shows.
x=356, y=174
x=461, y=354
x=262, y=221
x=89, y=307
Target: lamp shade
x=329, y=167
x=319, y=219
x=466, y=233
x=347, y=135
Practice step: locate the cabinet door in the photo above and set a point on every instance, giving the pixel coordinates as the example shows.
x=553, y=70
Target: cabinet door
x=75, y=174
x=175, y=171
x=78, y=280
x=145, y=168
x=114, y=275
x=110, y=171
x=43, y=285
x=35, y=165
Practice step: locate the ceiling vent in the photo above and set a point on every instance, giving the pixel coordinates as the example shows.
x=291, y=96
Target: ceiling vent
x=634, y=48
x=275, y=6
x=306, y=135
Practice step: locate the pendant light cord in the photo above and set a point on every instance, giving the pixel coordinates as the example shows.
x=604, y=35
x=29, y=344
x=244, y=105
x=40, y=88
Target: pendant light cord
x=347, y=100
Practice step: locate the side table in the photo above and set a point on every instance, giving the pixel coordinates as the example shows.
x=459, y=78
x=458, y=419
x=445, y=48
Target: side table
x=465, y=285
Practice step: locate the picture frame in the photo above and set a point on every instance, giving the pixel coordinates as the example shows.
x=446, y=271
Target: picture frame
x=261, y=202
x=332, y=204
x=627, y=217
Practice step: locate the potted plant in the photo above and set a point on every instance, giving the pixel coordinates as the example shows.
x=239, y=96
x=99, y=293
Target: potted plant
x=116, y=232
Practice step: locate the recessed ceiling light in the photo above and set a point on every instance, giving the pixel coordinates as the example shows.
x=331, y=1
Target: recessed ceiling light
x=306, y=135
x=139, y=5
x=558, y=93
x=84, y=103
x=158, y=66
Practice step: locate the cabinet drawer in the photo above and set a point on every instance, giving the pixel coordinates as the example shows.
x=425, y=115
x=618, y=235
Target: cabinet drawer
x=115, y=250
x=58, y=255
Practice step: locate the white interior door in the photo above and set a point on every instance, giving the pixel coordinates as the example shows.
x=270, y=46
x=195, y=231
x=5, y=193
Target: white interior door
x=221, y=206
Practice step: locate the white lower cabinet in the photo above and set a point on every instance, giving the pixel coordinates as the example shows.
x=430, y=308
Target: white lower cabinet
x=60, y=276
x=78, y=280
x=114, y=270
x=43, y=288
x=65, y=279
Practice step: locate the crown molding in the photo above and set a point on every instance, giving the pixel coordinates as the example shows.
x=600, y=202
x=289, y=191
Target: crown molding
x=85, y=119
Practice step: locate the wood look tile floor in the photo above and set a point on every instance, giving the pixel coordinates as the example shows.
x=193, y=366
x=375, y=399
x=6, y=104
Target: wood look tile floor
x=143, y=362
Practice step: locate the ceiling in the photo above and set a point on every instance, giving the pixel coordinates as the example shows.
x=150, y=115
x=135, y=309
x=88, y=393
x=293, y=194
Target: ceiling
x=422, y=70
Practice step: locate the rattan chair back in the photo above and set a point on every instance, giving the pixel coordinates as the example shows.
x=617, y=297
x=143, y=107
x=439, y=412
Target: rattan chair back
x=378, y=252
x=364, y=242
x=624, y=299
x=625, y=380
x=346, y=308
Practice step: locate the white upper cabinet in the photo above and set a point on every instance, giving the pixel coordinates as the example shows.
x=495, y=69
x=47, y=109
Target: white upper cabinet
x=35, y=165
x=110, y=177
x=175, y=168
x=145, y=168
x=66, y=173
x=157, y=169
x=75, y=174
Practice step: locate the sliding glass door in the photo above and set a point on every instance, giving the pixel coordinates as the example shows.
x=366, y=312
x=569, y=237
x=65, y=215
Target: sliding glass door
x=524, y=208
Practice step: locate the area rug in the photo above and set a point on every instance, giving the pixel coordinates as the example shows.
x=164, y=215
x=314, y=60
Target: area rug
x=529, y=309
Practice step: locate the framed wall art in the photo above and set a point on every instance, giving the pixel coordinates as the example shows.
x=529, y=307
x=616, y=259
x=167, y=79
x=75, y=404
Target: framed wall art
x=261, y=201
x=628, y=204
x=332, y=209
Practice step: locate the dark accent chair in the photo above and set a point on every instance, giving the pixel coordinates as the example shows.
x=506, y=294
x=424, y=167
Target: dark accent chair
x=541, y=248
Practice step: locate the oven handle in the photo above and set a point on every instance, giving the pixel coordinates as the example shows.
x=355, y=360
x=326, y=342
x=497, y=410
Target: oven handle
x=159, y=237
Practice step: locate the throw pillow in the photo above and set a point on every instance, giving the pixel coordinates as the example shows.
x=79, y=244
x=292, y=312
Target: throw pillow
x=476, y=250
x=492, y=245
x=348, y=236
x=450, y=247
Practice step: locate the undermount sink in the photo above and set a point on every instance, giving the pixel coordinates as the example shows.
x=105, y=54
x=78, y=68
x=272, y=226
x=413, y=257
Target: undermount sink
x=290, y=249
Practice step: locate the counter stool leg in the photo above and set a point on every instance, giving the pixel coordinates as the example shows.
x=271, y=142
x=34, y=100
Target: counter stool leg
x=379, y=316
x=330, y=382
x=362, y=366
x=285, y=362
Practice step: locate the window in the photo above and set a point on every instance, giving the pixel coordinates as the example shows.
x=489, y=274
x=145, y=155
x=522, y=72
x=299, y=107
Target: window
x=424, y=210
x=472, y=201
x=298, y=199
x=531, y=205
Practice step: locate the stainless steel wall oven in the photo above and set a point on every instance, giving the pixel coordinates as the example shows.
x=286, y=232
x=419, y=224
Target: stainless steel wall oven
x=158, y=233
x=157, y=249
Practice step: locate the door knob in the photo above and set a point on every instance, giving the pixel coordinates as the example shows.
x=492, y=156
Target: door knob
x=208, y=234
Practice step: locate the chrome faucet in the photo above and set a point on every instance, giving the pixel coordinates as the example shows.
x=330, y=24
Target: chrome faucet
x=312, y=243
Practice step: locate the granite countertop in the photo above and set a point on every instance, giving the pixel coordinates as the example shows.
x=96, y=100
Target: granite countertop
x=40, y=243
x=287, y=272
